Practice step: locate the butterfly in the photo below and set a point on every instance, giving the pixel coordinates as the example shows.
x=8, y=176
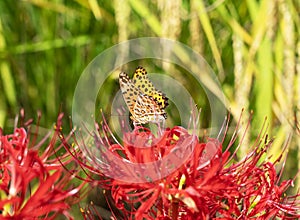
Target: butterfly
x=144, y=101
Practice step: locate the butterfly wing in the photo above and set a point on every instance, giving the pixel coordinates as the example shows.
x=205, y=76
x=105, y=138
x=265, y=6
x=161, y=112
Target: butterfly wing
x=129, y=91
x=145, y=103
x=142, y=82
x=146, y=110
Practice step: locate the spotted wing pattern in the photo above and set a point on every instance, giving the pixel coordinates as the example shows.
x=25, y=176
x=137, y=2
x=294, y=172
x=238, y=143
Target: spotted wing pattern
x=147, y=110
x=141, y=81
x=143, y=105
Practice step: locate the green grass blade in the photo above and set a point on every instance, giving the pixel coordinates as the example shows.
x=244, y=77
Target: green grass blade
x=143, y=11
x=204, y=19
x=6, y=75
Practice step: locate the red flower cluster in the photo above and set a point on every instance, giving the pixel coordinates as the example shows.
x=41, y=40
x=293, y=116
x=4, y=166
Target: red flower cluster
x=32, y=186
x=168, y=175
x=205, y=183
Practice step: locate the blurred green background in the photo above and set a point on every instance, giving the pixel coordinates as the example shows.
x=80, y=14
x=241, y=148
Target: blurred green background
x=253, y=46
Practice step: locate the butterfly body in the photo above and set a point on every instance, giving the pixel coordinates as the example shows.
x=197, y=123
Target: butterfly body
x=144, y=101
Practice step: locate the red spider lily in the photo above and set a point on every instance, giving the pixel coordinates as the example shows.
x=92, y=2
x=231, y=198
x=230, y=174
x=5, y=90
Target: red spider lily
x=198, y=181
x=33, y=185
